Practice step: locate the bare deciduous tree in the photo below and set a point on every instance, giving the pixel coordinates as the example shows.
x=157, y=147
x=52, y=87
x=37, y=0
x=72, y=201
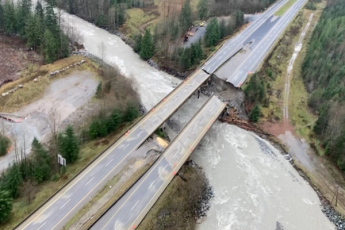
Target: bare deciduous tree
x=28, y=190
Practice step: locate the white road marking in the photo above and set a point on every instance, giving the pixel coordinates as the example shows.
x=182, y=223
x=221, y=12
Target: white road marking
x=165, y=167
x=94, y=177
x=202, y=120
x=125, y=147
x=186, y=141
x=65, y=204
x=140, y=132
x=175, y=154
x=42, y=225
x=151, y=184
x=135, y=205
x=108, y=162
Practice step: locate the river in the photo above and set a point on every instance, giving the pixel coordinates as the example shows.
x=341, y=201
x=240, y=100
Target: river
x=254, y=186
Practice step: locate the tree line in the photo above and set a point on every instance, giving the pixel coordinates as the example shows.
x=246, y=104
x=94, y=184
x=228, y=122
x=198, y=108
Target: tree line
x=4, y=145
x=21, y=177
x=108, y=14
x=323, y=71
x=258, y=90
x=165, y=38
x=40, y=29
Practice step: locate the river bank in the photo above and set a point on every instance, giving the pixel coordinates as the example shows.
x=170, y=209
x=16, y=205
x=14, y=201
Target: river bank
x=225, y=150
x=327, y=208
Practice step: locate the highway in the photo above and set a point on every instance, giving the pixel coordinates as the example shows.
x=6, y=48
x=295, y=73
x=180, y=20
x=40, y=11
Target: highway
x=57, y=211
x=65, y=204
x=129, y=211
x=261, y=46
x=232, y=46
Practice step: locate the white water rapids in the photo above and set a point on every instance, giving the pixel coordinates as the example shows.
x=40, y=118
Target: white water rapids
x=254, y=186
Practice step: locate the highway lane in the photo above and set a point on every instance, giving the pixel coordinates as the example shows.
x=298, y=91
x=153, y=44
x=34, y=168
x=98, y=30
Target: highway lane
x=259, y=52
x=232, y=46
x=56, y=212
x=132, y=208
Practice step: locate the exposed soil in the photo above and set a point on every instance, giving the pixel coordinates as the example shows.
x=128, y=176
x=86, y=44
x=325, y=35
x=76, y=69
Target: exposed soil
x=63, y=97
x=15, y=57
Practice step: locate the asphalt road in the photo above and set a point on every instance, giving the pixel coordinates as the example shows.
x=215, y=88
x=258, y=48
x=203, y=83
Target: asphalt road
x=260, y=48
x=56, y=212
x=197, y=36
x=232, y=46
x=132, y=208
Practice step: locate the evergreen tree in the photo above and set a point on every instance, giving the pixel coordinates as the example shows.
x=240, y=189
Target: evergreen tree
x=131, y=112
x=185, y=58
x=203, y=9
x=94, y=129
x=42, y=166
x=212, y=33
x=4, y=144
x=239, y=18
x=116, y=118
x=39, y=11
x=2, y=18
x=23, y=15
x=10, y=17
x=254, y=115
x=138, y=40
x=185, y=16
x=51, y=21
x=222, y=29
x=68, y=145
x=12, y=179
x=5, y=204
x=50, y=47
x=147, y=46
x=34, y=30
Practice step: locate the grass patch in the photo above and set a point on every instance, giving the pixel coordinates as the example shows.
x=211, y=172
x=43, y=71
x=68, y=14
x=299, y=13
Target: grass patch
x=88, y=151
x=135, y=18
x=34, y=90
x=300, y=115
x=284, y=8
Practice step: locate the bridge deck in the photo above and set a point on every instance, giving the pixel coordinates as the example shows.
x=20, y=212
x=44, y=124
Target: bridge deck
x=55, y=213
x=129, y=211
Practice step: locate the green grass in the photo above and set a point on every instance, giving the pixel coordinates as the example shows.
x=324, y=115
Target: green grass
x=34, y=90
x=136, y=17
x=284, y=8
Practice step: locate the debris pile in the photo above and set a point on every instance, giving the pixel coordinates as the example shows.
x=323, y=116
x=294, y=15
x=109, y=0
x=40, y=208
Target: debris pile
x=66, y=68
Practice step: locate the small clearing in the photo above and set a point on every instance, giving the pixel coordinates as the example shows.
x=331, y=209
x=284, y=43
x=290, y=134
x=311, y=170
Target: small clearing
x=15, y=58
x=62, y=98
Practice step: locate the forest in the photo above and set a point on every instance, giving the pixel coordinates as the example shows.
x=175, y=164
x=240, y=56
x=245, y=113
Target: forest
x=324, y=76
x=40, y=29
x=164, y=40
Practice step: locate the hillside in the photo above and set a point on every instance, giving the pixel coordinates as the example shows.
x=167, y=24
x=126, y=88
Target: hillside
x=324, y=77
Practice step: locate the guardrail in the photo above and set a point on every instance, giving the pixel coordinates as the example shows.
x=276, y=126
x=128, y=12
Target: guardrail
x=176, y=139
x=99, y=155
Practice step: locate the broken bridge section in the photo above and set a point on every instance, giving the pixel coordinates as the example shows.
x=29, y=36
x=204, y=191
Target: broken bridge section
x=129, y=211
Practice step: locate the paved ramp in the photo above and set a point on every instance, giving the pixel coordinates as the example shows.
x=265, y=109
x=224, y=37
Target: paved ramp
x=129, y=211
